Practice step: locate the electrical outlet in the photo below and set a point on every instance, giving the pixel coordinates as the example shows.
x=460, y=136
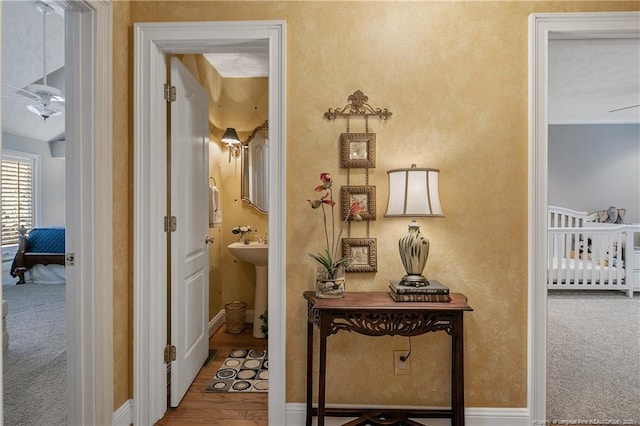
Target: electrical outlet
x=401, y=367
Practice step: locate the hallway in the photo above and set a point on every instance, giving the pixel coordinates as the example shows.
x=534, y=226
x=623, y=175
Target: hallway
x=217, y=409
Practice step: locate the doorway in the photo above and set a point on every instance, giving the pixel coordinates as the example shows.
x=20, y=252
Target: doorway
x=88, y=60
x=34, y=380
x=153, y=42
x=542, y=27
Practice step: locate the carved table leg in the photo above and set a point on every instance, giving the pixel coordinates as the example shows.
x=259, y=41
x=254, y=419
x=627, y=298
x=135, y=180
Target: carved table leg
x=309, y=372
x=457, y=372
x=322, y=379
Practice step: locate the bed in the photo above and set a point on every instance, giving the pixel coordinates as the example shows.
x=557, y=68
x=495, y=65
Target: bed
x=587, y=255
x=39, y=247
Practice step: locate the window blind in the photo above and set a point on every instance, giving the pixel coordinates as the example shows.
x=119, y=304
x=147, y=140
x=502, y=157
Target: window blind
x=17, y=198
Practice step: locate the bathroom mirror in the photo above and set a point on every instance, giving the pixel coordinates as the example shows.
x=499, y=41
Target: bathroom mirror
x=255, y=173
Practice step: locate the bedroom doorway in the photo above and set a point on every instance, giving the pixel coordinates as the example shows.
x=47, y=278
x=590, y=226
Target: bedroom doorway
x=542, y=28
x=153, y=42
x=34, y=317
x=88, y=131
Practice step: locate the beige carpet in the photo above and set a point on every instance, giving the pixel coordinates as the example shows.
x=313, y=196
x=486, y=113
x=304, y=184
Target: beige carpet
x=35, y=364
x=593, y=358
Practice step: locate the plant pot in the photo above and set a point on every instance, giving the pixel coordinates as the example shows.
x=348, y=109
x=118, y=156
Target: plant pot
x=330, y=288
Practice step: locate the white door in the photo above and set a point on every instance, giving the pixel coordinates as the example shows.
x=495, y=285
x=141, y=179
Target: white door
x=189, y=204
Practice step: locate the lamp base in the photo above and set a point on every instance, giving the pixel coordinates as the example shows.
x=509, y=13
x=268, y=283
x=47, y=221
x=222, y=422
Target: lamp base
x=414, y=281
x=414, y=251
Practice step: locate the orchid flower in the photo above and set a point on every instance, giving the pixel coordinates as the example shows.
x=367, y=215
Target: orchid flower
x=329, y=259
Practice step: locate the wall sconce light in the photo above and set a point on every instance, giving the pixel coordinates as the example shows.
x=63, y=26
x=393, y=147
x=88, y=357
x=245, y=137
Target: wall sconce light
x=230, y=137
x=413, y=192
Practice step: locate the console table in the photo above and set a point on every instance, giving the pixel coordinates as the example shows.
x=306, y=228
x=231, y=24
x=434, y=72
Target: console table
x=377, y=314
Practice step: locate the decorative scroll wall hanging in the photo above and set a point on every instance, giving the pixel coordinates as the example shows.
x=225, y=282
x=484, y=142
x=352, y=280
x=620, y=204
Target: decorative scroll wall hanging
x=358, y=151
x=357, y=106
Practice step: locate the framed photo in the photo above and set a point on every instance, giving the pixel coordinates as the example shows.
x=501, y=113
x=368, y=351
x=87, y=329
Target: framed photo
x=363, y=254
x=365, y=196
x=358, y=150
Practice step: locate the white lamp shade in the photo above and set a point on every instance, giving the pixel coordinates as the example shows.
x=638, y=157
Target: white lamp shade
x=413, y=192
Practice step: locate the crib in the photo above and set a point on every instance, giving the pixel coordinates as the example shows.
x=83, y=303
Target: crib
x=587, y=255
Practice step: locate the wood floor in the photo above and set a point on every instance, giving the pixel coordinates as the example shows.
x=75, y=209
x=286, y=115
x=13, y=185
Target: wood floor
x=229, y=409
x=221, y=409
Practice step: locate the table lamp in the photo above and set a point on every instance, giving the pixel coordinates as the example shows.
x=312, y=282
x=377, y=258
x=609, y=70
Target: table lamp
x=413, y=192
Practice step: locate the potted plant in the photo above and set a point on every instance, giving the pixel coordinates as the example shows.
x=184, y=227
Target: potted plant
x=330, y=275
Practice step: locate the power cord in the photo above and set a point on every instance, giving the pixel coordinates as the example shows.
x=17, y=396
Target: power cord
x=404, y=358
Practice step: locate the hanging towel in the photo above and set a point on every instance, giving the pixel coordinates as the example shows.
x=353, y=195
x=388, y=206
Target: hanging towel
x=215, y=212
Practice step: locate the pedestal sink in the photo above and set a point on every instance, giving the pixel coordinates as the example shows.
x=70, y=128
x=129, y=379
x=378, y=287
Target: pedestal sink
x=256, y=253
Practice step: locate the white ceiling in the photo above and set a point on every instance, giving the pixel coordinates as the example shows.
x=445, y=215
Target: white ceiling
x=240, y=65
x=587, y=78
x=22, y=61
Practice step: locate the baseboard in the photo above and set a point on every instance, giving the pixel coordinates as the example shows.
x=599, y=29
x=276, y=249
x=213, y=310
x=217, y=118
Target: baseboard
x=295, y=415
x=123, y=416
x=497, y=416
x=217, y=321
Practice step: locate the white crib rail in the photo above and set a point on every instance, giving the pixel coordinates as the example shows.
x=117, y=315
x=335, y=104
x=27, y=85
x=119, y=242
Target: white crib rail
x=600, y=265
x=562, y=217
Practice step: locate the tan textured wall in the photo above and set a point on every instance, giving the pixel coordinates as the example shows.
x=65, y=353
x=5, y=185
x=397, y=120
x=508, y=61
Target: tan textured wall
x=122, y=205
x=454, y=74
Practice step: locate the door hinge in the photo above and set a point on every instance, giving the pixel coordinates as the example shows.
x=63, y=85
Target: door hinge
x=70, y=259
x=170, y=223
x=169, y=354
x=169, y=93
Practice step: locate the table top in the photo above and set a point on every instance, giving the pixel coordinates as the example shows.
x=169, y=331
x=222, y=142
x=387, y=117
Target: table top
x=354, y=300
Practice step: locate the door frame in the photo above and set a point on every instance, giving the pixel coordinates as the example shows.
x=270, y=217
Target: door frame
x=542, y=28
x=89, y=92
x=88, y=129
x=152, y=42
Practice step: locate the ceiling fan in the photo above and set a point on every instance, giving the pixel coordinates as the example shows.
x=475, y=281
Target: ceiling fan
x=47, y=101
x=624, y=108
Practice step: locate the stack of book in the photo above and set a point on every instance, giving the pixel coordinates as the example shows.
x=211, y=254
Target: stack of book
x=434, y=292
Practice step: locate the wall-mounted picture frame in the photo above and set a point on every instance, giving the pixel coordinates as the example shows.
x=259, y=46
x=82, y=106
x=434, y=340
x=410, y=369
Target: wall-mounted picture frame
x=365, y=196
x=363, y=253
x=357, y=150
